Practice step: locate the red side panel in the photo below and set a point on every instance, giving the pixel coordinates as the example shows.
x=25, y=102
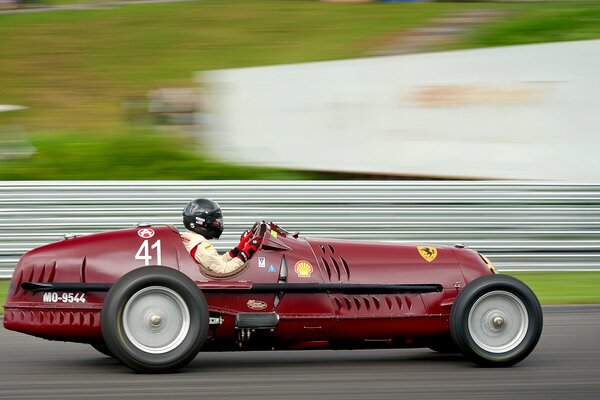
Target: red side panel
x=98, y=258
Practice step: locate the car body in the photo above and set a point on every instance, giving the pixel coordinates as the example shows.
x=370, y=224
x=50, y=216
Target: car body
x=138, y=295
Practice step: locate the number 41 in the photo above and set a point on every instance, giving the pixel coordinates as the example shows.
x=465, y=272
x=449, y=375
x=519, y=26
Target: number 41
x=143, y=252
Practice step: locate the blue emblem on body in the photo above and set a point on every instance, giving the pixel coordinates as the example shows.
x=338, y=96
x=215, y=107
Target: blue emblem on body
x=271, y=269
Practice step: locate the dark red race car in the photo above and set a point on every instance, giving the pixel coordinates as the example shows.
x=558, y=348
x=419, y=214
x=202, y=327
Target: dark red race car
x=137, y=295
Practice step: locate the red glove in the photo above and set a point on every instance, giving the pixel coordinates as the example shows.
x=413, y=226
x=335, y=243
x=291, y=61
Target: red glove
x=249, y=249
x=246, y=236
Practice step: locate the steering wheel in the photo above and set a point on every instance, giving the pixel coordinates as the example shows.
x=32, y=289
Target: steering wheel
x=259, y=228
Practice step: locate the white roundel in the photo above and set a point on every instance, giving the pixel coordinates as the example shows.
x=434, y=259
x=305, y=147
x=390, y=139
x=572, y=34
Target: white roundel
x=146, y=233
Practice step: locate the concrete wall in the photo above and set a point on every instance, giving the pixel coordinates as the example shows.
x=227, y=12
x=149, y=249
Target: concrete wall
x=518, y=112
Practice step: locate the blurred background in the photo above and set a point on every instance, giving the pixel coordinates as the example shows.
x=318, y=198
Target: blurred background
x=430, y=122
x=161, y=89
x=487, y=111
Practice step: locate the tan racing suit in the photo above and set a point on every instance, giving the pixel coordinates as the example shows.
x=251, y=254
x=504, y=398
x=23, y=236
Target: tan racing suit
x=204, y=253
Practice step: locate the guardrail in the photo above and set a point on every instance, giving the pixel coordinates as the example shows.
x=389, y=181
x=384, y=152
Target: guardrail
x=519, y=226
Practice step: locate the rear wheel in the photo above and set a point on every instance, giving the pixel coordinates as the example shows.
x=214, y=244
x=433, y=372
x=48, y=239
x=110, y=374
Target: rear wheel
x=496, y=320
x=154, y=319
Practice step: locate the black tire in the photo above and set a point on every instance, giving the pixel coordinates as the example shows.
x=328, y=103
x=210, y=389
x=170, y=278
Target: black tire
x=496, y=321
x=443, y=344
x=154, y=319
x=101, y=347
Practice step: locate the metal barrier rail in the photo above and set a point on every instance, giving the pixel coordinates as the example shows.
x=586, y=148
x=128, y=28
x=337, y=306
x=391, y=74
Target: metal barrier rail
x=518, y=225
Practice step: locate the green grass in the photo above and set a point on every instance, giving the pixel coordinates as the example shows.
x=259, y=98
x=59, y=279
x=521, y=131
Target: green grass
x=75, y=69
x=139, y=154
x=3, y=289
x=538, y=23
x=42, y=3
x=563, y=287
x=550, y=287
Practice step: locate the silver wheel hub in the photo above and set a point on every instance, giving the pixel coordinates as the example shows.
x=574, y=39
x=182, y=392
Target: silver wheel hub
x=156, y=319
x=498, y=322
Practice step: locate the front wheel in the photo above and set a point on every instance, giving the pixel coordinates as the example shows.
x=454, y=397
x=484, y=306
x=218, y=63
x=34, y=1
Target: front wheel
x=496, y=321
x=154, y=319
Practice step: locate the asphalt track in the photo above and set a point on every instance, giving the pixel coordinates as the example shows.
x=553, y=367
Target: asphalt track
x=565, y=365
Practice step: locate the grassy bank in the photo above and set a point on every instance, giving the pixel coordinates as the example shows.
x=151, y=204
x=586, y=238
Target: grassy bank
x=563, y=287
x=74, y=69
x=550, y=287
x=136, y=154
x=3, y=289
x=77, y=70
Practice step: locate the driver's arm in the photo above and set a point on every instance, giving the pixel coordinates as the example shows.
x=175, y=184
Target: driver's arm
x=207, y=255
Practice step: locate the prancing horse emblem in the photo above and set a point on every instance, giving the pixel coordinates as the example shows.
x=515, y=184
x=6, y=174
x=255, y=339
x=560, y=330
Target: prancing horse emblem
x=428, y=253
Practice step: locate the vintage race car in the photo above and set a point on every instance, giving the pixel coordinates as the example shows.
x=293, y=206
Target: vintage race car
x=137, y=295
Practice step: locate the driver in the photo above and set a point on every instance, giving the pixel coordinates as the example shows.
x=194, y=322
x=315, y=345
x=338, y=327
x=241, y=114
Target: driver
x=204, y=221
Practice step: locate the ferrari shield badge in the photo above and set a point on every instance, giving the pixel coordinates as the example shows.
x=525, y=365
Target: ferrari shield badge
x=428, y=253
x=303, y=268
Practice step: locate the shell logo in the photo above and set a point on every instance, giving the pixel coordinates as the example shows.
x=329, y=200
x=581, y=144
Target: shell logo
x=303, y=268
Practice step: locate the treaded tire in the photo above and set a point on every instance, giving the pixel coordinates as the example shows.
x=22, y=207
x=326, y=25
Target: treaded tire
x=496, y=321
x=154, y=319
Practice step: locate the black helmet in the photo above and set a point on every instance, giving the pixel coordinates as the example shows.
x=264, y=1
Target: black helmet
x=204, y=216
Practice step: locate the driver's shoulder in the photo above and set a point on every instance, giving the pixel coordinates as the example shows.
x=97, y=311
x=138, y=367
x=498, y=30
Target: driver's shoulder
x=192, y=239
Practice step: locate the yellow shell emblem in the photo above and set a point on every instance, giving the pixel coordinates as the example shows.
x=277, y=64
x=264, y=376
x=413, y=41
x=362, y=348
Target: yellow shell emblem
x=428, y=253
x=303, y=268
